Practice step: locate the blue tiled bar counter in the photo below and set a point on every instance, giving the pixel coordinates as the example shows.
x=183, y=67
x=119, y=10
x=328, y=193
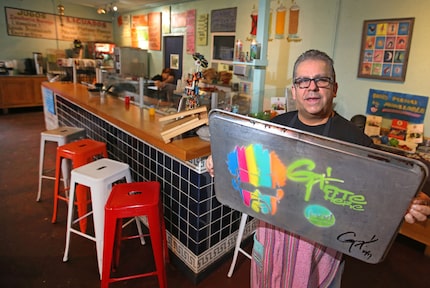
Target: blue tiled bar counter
x=201, y=232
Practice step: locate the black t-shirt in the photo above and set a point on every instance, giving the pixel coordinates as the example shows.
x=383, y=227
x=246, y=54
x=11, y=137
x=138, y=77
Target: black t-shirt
x=336, y=127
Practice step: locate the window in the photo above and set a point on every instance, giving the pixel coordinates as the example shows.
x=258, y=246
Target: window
x=223, y=47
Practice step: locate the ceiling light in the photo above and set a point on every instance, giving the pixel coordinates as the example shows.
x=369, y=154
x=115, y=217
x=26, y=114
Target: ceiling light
x=115, y=8
x=60, y=9
x=101, y=10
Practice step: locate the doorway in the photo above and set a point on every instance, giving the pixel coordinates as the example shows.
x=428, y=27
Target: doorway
x=173, y=50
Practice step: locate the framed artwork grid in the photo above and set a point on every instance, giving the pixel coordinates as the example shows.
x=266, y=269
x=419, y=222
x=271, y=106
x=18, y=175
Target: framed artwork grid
x=385, y=46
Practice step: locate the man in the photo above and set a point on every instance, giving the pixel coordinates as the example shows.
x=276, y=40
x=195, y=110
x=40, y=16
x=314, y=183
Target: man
x=282, y=259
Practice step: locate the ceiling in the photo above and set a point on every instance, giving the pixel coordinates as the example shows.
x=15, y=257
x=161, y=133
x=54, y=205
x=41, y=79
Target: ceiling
x=124, y=5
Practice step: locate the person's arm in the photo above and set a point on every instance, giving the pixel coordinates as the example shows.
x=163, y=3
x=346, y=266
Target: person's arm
x=419, y=209
x=170, y=79
x=210, y=166
x=162, y=84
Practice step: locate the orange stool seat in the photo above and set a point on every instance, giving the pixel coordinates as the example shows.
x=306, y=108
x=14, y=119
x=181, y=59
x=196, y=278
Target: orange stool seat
x=133, y=200
x=80, y=153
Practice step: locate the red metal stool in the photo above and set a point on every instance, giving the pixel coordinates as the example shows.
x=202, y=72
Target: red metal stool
x=132, y=200
x=80, y=153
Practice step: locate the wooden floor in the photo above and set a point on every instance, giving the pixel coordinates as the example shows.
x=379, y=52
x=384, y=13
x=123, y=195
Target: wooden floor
x=31, y=248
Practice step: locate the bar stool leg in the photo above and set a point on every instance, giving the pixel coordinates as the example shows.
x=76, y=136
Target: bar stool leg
x=158, y=248
x=237, y=248
x=56, y=189
x=41, y=162
x=69, y=218
x=109, y=239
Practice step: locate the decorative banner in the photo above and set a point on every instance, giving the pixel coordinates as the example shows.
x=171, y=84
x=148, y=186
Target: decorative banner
x=154, y=21
x=202, y=30
x=191, y=31
x=254, y=22
x=393, y=105
x=281, y=12
x=27, y=23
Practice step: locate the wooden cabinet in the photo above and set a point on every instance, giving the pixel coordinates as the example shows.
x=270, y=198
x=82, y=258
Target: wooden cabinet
x=419, y=231
x=21, y=91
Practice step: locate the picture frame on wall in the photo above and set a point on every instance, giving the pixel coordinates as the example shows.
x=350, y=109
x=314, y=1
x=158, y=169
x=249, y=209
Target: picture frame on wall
x=385, y=46
x=174, y=61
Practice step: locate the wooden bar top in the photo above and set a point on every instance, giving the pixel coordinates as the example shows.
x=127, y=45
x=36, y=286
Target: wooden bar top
x=132, y=119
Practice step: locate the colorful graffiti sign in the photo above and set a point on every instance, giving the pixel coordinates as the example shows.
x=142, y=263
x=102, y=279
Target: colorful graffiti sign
x=260, y=176
x=301, y=171
x=257, y=172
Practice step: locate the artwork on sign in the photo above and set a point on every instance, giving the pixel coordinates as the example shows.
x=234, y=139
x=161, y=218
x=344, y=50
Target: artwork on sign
x=385, y=46
x=260, y=176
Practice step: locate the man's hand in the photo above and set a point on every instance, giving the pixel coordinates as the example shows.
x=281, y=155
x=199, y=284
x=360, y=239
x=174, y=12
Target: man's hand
x=419, y=209
x=210, y=166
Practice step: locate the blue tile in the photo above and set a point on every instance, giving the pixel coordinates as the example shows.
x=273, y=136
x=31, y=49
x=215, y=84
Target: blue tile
x=183, y=238
x=185, y=171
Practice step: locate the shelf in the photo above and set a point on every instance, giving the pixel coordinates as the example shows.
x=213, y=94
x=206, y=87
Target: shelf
x=254, y=63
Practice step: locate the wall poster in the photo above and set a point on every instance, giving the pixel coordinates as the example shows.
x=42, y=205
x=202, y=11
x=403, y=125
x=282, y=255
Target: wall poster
x=191, y=31
x=202, y=30
x=154, y=23
x=385, y=46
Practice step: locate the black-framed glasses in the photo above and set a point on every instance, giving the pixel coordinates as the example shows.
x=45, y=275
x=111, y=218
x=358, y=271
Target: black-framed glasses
x=320, y=82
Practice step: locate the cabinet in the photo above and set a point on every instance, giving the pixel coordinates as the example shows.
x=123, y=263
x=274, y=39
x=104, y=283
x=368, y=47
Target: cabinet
x=20, y=91
x=419, y=231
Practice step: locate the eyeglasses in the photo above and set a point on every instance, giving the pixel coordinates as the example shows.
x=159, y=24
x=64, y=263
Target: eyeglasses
x=320, y=82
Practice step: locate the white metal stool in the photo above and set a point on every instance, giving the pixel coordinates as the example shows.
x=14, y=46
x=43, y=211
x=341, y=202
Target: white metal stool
x=237, y=247
x=99, y=176
x=61, y=135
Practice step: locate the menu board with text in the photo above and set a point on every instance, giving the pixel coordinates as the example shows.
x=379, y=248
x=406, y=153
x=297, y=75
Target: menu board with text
x=34, y=24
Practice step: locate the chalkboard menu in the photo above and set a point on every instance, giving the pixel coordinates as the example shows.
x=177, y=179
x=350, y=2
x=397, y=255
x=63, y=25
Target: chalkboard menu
x=223, y=20
x=34, y=24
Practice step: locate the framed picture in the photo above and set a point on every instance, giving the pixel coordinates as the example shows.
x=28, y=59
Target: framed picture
x=174, y=61
x=385, y=46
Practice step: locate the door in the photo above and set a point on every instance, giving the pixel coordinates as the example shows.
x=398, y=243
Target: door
x=173, y=50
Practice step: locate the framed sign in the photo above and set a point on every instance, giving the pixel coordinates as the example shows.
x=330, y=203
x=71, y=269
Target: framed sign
x=223, y=20
x=174, y=61
x=385, y=46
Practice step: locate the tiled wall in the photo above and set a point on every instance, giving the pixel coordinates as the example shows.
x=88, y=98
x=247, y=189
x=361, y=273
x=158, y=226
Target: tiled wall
x=200, y=229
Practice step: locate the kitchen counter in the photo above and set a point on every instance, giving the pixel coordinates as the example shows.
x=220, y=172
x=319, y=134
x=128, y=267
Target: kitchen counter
x=200, y=231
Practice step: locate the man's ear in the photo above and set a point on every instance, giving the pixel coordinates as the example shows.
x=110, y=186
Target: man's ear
x=293, y=92
x=335, y=86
